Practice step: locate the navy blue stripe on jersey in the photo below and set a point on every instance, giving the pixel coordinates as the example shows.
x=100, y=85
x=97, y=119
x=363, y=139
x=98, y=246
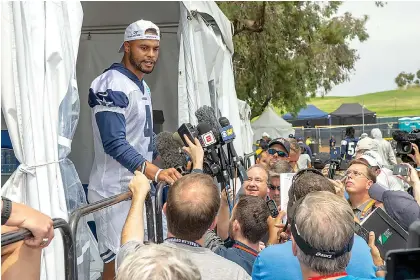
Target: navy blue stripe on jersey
x=121, y=68
x=111, y=127
x=109, y=98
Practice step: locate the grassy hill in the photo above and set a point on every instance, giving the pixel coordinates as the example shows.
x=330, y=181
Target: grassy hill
x=386, y=103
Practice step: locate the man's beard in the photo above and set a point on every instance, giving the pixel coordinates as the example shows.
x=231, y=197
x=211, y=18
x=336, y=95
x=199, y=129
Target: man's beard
x=137, y=65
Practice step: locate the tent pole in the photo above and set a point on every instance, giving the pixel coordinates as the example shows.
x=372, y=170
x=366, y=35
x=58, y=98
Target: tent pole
x=363, y=116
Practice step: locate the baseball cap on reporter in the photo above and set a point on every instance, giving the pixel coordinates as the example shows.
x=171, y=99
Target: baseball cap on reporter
x=367, y=143
x=373, y=158
x=282, y=142
x=137, y=31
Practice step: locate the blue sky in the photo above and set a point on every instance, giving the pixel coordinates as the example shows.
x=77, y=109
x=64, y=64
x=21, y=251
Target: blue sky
x=393, y=46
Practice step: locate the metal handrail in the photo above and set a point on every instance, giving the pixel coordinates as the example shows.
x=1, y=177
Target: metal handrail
x=247, y=160
x=107, y=202
x=158, y=211
x=68, y=242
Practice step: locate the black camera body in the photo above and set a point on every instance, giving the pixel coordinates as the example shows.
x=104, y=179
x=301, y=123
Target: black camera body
x=405, y=139
x=337, y=164
x=404, y=143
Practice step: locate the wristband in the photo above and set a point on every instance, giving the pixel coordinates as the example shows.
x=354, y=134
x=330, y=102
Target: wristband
x=157, y=174
x=381, y=268
x=6, y=211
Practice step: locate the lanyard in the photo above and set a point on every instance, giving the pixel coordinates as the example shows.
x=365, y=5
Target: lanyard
x=252, y=252
x=368, y=206
x=328, y=276
x=182, y=241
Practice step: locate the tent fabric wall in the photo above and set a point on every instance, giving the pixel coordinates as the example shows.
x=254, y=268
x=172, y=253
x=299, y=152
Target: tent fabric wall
x=269, y=121
x=40, y=103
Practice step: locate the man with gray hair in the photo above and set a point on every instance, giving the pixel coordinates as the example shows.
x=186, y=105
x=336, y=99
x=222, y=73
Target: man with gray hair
x=156, y=262
x=191, y=209
x=323, y=235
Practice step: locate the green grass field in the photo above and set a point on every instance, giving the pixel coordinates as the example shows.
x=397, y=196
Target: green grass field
x=387, y=103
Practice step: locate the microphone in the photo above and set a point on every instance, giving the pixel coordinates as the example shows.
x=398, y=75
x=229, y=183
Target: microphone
x=226, y=130
x=228, y=135
x=170, y=151
x=205, y=114
x=207, y=139
x=208, y=142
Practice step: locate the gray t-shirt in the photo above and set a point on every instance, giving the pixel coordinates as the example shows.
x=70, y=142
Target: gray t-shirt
x=210, y=265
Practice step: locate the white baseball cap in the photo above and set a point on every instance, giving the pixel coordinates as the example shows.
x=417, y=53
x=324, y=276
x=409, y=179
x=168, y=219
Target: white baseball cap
x=373, y=158
x=265, y=134
x=367, y=143
x=137, y=31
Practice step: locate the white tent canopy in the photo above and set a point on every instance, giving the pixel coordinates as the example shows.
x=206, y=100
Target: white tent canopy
x=269, y=121
x=194, y=67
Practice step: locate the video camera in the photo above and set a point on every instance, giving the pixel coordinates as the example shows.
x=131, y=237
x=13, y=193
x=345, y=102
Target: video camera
x=404, y=143
x=337, y=164
x=404, y=263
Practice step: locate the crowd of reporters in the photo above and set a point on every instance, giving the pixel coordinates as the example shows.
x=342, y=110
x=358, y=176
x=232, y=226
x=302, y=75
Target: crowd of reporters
x=216, y=232
x=244, y=241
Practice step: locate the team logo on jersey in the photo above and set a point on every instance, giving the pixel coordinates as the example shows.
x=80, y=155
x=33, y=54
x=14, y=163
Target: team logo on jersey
x=102, y=101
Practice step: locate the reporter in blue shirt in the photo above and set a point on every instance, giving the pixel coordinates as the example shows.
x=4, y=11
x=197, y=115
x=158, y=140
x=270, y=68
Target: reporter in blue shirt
x=247, y=226
x=323, y=242
x=278, y=259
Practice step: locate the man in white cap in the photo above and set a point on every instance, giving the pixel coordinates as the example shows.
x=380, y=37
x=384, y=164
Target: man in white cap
x=366, y=144
x=123, y=133
x=265, y=136
x=384, y=176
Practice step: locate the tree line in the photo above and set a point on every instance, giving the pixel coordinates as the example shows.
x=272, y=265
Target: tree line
x=405, y=80
x=287, y=52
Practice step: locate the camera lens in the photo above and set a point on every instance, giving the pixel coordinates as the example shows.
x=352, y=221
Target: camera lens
x=406, y=148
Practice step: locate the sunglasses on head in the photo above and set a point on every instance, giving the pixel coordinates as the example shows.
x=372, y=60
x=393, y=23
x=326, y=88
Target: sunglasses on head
x=279, y=153
x=272, y=187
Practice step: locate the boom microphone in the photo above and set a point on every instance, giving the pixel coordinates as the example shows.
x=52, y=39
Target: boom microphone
x=205, y=114
x=170, y=151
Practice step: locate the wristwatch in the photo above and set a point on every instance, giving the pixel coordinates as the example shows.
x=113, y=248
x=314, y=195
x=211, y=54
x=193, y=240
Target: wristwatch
x=6, y=210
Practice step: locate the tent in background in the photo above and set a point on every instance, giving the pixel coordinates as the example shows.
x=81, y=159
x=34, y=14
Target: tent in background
x=352, y=113
x=269, y=121
x=310, y=113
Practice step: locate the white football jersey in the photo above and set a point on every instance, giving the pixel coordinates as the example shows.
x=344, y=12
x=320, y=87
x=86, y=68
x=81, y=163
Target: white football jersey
x=118, y=90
